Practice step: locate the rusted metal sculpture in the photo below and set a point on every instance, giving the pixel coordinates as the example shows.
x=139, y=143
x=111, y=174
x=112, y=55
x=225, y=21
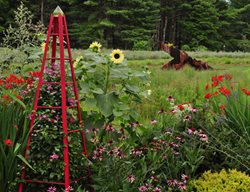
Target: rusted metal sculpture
x=181, y=58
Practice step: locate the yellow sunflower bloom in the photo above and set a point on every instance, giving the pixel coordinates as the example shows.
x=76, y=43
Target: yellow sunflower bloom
x=117, y=56
x=95, y=46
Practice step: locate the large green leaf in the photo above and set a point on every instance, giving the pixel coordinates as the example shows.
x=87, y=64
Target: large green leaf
x=120, y=73
x=106, y=103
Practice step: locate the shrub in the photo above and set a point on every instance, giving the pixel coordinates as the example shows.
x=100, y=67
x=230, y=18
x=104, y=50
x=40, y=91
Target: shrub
x=142, y=45
x=186, y=48
x=230, y=181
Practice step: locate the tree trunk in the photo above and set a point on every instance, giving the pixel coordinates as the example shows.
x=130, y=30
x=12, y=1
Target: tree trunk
x=42, y=11
x=165, y=29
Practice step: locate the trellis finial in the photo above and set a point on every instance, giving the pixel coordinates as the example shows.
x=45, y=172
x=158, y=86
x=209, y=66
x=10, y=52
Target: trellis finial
x=58, y=11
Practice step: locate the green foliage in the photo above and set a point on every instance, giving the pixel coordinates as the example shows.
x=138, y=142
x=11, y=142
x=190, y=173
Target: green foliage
x=141, y=45
x=11, y=119
x=185, y=48
x=230, y=181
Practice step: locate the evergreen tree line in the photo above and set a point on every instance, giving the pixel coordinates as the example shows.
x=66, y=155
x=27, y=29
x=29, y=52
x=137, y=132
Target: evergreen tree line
x=143, y=24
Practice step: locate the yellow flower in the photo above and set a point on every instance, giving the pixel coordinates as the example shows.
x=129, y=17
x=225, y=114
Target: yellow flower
x=43, y=46
x=78, y=59
x=169, y=44
x=117, y=56
x=95, y=46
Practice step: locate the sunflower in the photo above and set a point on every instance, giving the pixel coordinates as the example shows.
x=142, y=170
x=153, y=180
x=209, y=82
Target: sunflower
x=117, y=56
x=95, y=46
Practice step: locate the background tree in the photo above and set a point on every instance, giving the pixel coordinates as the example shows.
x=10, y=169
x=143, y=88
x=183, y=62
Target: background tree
x=135, y=24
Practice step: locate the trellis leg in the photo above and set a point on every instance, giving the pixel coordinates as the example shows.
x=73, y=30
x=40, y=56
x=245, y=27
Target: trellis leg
x=64, y=106
x=75, y=89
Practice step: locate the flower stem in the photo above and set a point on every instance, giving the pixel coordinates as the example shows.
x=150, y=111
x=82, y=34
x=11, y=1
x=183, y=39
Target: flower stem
x=107, y=78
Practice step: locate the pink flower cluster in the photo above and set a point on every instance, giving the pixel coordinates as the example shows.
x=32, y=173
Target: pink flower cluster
x=201, y=135
x=115, y=151
x=181, y=185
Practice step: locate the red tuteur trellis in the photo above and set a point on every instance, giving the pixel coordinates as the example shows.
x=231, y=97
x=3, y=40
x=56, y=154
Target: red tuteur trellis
x=57, y=31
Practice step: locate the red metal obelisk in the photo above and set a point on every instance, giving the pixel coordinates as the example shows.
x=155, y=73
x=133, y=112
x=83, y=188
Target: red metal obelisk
x=57, y=32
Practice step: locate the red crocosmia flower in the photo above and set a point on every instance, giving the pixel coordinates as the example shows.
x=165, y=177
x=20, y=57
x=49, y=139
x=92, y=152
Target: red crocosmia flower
x=19, y=81
x=245, y=91
x=215, y=93
x=208, y=95
x=222, y=106
x=220, y=78
x=181, y=107
x=11, y=79
x=228, y=77
x=6, y=97
x=19, y=97
x=35, y=74
x=8, y=86
x=29, y=80
x=207, y=86
x=8, y=142
x=224, y=91
x=214, y=78
x=215, y=83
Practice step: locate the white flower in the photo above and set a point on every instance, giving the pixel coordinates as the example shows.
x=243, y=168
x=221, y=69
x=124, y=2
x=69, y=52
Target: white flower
x=149, y=92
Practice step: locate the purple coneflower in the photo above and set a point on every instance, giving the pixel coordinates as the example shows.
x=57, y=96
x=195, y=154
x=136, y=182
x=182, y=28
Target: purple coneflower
x=157, y=189
x=131, y=178
x=182, y=186
x=203, y=137
x=51, y=189
x=143, y=188
x=172, y=182
x=153, y=122
x=184, y=178
x=170, y=99
x=54, y=156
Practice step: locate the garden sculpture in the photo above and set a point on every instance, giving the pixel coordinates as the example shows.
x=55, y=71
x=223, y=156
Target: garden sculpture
x=57, y=31
x=181, y=58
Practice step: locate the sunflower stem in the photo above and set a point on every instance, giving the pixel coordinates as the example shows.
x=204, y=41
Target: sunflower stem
x=107, y=78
